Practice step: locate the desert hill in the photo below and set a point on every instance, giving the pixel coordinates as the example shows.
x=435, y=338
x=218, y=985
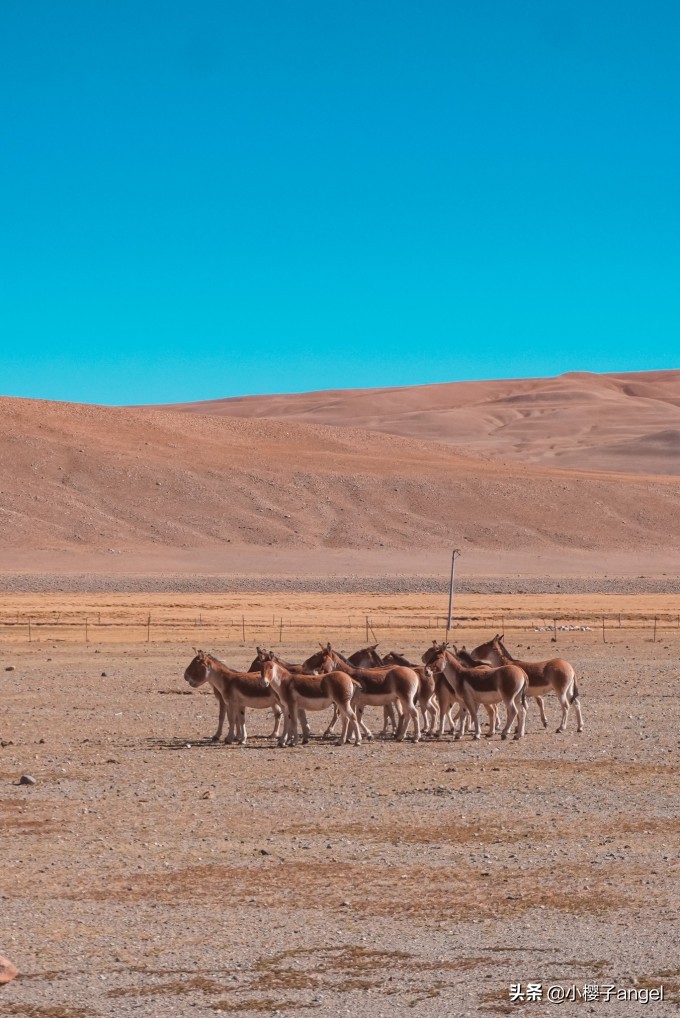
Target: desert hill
x=91, y=483
x=620, y=422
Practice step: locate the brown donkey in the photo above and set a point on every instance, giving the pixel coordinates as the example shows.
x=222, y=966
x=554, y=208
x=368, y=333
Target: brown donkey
x=381, y=686
x=428, y=701
x=235, y=691
x=367, y=657
x=554, y=676
x=484, y=685
x=313, y=692
x=448, y=700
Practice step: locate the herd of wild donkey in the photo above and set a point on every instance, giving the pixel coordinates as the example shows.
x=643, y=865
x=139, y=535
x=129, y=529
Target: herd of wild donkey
x=447, y=679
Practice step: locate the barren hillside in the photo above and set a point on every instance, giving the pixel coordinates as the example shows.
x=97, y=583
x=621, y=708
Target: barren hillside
x=621, y=422
x=82, y=480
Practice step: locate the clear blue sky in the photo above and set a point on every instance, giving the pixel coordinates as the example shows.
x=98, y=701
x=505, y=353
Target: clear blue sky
x=204, y=198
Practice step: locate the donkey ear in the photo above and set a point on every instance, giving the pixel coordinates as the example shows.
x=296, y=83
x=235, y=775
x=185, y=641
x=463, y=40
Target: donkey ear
x=322, y=646
x=328, y=647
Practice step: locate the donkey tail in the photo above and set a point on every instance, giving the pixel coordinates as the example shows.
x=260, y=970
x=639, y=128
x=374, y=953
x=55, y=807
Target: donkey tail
x=574, y=694
x=524, y=692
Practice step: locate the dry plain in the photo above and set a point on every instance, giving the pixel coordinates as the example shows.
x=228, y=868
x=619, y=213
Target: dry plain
x=150, y=872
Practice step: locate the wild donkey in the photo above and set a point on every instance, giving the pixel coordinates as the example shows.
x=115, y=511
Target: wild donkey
x=554, y=676
x=381, y=686
x=313, y=692
x=484, y=685
x=235, y=691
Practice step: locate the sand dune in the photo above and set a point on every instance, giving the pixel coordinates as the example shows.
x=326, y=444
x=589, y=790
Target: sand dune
x=621, y=422
x=99, y=485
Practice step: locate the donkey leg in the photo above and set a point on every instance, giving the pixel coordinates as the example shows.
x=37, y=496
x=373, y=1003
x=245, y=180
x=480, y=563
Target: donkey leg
x=474, y=718
x=344, y=726
x=362, y=724
x=393, y=711
x=579, y=716
x=511, y=711
x=232, y=713
x=564, y=702
x=349, y=723
x=293, y=732
x=442, y=721
x=539, y=701
x=461, y=722
x=306, y=730
x=415, y=718
x=492, y=714
x=402, y=726
x=279, y=722
x=220, y=723
x=285, y=734
x=522, y=718
x=243, y=737
x=334, y=720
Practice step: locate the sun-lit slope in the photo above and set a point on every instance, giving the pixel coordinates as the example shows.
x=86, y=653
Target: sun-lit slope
x=82, y=477
x=621, y=422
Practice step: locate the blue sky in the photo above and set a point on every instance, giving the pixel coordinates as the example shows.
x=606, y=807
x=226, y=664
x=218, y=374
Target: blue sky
x=202, y=199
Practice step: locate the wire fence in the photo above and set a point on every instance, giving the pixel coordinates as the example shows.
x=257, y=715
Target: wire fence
x=131, y=627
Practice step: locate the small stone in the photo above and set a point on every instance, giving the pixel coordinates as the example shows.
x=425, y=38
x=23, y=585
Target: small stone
x=9, y=668
x=8, y=972
x=263, y=851
x=103, y=675
x=26, y=779
x=207, y=795
x=41, y=742
x=344, y=904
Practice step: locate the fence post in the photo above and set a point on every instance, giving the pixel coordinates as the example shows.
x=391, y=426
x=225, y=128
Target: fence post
x=554, y=639
x=367, y=630
x=281, y=630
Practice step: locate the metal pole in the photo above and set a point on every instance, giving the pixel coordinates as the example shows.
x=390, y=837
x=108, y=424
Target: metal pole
x=456, y=551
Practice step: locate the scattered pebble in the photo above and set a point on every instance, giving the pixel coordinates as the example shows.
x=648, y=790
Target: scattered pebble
x=8, y=971
x=26, y=779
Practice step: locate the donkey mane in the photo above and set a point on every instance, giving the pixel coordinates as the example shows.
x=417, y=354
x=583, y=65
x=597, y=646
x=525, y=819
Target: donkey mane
x=213, y=657
x=505, y=649
x=341, y=656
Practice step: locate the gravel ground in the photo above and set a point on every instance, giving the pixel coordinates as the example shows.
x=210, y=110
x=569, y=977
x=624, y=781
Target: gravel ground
x=149, y=872
x=181, y=583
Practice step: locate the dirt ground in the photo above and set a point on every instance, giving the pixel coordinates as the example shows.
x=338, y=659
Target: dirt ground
x=149, y=872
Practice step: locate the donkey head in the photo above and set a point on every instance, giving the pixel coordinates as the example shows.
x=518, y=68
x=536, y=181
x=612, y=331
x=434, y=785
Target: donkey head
x=198, y=669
